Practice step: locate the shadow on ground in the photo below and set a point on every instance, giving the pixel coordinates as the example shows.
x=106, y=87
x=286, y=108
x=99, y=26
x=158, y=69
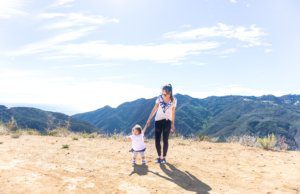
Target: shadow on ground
x=183, y=179
x=140, y=169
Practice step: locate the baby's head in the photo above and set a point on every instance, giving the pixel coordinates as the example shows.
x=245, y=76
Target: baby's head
x=136, y=130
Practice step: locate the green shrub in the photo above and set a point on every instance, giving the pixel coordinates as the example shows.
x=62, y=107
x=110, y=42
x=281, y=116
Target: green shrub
x=267, y=143
x=87, y=135
x=65, y=146
x=59, y=132
x=32, y=132
x=75, y=138
x=92, y=135
x=53, y=133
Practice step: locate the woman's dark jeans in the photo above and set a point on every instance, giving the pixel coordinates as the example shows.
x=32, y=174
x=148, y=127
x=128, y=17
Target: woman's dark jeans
x=162, y=127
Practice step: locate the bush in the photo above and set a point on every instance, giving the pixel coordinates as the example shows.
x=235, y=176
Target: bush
x=53, y=133
x=92, y=135
x=16, y=135
x=59, y=132
x=65, y=146
x=32, y=132
x=75, y=138
x=87, y=135
x=268, y=143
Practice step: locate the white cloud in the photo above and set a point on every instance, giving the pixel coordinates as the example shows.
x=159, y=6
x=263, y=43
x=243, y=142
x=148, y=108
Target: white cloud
x=233, y=1
x=46, y=45
x=166, y=52
x=65, y=3
x=71, y=20
x=69, y=67
x=10, y=8
x=77, y=25
x=58, y=48
x=72, y=25
x=252, y=35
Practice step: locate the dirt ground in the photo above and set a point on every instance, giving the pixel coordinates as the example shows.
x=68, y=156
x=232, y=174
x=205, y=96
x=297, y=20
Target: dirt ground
x=38, y=164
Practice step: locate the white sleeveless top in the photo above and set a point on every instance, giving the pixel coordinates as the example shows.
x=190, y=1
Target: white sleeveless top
x=164, y=109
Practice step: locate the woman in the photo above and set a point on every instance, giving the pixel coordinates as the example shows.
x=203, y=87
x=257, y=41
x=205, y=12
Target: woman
x=164, y=108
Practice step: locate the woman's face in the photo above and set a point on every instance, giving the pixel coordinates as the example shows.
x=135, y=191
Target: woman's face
x=165, y=94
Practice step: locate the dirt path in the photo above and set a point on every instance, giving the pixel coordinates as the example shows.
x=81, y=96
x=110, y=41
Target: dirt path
x=38, y=164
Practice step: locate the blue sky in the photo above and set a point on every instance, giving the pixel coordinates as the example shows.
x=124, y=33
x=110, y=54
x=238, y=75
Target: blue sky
x=75, y=56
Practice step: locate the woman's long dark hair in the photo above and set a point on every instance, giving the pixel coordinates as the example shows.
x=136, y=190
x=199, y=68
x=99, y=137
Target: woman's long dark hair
x=169, y=90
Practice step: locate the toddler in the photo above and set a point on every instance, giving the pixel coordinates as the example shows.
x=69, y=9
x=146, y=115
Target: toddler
x=138, y=144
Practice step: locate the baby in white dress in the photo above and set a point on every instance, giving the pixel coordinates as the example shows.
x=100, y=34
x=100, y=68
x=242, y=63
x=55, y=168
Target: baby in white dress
x=138, y=144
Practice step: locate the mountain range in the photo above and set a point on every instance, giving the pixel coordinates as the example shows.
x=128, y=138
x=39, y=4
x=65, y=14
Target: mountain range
x=213, y=116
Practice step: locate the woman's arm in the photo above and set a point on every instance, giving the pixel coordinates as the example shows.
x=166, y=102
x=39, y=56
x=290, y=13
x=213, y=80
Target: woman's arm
x=151, y=116
x=173, y=119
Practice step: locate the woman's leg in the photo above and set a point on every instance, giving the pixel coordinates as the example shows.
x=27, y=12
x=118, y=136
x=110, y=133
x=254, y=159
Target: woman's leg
x=158, y=131
x=166, y=132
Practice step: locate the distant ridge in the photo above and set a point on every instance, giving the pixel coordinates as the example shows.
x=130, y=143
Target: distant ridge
x=214, y=116
x=42, y=121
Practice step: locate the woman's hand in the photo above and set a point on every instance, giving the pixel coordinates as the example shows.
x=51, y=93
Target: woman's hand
x=173, y=128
